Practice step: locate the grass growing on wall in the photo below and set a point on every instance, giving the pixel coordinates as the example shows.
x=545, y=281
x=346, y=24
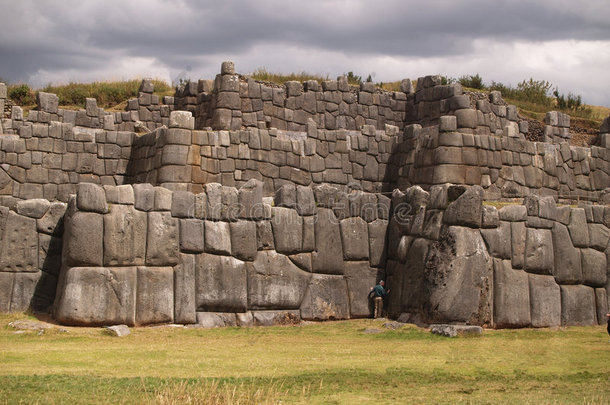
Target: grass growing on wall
x=107, y=94
x=334, y=362
x=264, y=75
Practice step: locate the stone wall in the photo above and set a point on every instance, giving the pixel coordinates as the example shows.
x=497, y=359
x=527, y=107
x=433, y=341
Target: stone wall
x=452, y=258
x=186, y=159
x=281, y=212
x=143, y=254
x=142, y=114
x=30, y=254
x=506, y=167
x=233, y=102
x=557, y=128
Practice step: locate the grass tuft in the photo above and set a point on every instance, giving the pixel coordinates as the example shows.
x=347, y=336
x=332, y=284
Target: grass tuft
x=262, y=74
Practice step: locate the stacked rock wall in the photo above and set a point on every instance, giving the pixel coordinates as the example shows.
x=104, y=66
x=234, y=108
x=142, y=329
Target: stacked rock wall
x=453, y=259
x=30, y=254
x=144, y=113
x=557, y=128
x=506, y=167
x=143, y=254
x=50, y=160
x=182, y=158
x=232, y=103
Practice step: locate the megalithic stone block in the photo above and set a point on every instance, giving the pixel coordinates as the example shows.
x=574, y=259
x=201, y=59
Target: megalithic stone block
x=360, y=277
x=185, y=308
x=287, y=227
x=545, y=301
x=97, y=296
x=125, y=230
x=6, y=290
x=539, y=251
x=511, y=296
x=217, y=237
x=274, y=282
x=567, y=259
x=221, y=284
x=328, y=256
x=326, y=298
x=83, y=239
x=19, y=244
x=459, y=277
x=578, y=305
x=155, y=295
x=377, y=242
x=354, y=235
x=24, y=290
x=243, y=240
x=162, y=246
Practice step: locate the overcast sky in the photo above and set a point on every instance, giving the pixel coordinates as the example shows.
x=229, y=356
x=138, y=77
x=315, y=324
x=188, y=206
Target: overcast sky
x=566, y=42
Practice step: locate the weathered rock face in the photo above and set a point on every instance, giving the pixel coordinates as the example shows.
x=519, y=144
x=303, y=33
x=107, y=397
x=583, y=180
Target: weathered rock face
x=458, y=277
x=157, y=256
x=97, y=296
x=206, y=192
x=274, y=282
x=221, y=284
x=541, y=276
x=326, y=298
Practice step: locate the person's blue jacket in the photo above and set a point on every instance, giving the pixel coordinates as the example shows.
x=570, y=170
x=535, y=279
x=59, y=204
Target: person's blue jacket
x=379, y=291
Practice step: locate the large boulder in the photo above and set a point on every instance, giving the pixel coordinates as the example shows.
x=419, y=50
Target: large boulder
x=360, y=278
x=155, y=295
x=287, y=227
x=185, y=307
x=467, y=209
x=578, y=305
x=568, y=268
x=326, y=298
x=545, y=301
x=221, y=284
x=539, y=251
x=274, y=282
x=458, y=277
x=511, y=296
x=97, y=296
x=18, y=243
x=594, y=267
x=354, y=234
x=328, y=256
x=498, y=240
x=124, y=236
x=162, y=242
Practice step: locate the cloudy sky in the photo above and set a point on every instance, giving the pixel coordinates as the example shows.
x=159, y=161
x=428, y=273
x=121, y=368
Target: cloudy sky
x=566, y=42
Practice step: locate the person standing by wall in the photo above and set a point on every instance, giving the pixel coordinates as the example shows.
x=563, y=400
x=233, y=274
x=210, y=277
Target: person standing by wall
x=378, y=293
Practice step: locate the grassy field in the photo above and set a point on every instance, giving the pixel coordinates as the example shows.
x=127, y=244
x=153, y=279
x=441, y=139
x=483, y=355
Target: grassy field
x=334, y=362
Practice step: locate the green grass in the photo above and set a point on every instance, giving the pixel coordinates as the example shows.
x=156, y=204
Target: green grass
x=108, y=94
x=73, y=95
x=264, y=75
x=334, y=362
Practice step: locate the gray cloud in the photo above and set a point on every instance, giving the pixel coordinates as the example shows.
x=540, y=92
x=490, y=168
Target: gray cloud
x=79, y=35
